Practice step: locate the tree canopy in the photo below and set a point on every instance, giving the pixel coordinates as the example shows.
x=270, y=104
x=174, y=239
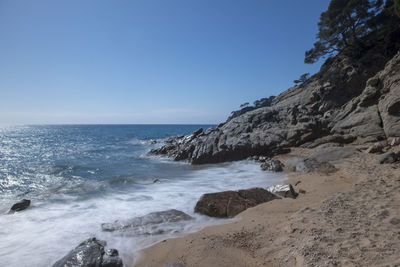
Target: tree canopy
x=304, y=77
x=342, y=25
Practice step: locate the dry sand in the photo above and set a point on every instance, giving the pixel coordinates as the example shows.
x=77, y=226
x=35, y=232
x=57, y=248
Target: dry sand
x=347, y=218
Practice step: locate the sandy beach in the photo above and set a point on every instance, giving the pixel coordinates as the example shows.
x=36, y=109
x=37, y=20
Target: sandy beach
x=347, y=218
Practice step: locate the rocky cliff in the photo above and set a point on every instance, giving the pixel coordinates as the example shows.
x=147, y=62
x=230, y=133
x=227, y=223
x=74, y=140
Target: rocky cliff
x=348, y=101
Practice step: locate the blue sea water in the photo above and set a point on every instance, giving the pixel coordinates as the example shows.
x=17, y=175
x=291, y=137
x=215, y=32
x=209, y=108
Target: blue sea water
x=80, y=176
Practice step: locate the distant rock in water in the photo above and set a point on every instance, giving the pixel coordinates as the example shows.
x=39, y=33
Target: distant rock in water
x=348, y=100
x=22, y=205
x=230, y=203
x=90, y=253
x=153, y=223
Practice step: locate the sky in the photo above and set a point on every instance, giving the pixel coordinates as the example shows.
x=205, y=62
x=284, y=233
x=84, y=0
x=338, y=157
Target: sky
x=148, y=61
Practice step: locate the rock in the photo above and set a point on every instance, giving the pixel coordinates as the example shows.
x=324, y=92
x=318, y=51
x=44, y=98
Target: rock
x=231, y=203
x=272, y=165
x=388, y=157
x=197, y=132
x=153, y=223
x=376, y=148
x=286, y=191
x=90, y=253
x=312, y=165
x=307, y=165
x=22, y=205
x=333, y=154
x=111, y=259
x=395, y=141
x=174, y=265
x=302, y=191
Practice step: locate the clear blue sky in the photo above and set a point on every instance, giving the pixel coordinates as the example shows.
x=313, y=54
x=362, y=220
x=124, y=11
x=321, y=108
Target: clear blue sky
x=148, y=61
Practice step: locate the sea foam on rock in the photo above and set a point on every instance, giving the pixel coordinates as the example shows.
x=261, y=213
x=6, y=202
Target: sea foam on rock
x=160, y=222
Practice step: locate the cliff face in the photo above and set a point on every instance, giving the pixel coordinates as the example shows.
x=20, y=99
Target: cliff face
x=347, y=101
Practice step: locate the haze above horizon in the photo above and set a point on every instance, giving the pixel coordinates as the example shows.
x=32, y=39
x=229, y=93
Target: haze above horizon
x=148, y=62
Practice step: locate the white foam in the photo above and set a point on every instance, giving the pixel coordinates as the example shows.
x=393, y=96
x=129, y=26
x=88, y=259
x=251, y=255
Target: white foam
x=45, y=232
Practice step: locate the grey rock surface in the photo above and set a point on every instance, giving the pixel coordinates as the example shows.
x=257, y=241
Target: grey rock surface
x=389, y=157
x=90, y=253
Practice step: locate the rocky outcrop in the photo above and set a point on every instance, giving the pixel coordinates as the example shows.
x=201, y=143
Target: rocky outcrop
x=321, y=160
x=347, y=101
x=90, y=253
x=375, y=113
x=160, y=222
x=22, y=205
x=230, y=203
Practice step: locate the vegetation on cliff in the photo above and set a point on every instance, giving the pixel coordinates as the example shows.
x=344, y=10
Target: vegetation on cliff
x=353, y=25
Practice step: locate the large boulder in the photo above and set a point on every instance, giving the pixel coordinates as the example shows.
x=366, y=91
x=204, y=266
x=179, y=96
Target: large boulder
x=90, y=253
x=230, y=203
x=160, y=222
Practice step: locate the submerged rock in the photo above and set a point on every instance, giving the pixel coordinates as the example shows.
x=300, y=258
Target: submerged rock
x=230, y=203
x=153, y=223
x=22, y=205
x=90, y=253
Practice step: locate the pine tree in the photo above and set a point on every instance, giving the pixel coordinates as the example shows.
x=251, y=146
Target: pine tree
x=342, y=25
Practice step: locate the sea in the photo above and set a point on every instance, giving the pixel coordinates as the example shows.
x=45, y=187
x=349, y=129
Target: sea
x=81, y=176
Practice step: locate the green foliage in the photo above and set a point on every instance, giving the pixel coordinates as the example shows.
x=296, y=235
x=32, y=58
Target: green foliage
x=264, y=102
x=397, y=7
x=245, y=105
x=302, y=78
x=342, y=25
